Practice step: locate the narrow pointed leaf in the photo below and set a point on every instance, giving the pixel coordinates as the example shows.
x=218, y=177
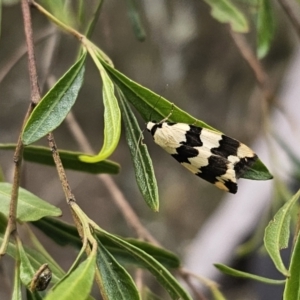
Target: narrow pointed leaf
x=60, y=232
x=229, y=271
x=55, y=105
x=142, y=163
x=163, y=256
x=66, y=234
x=30, y=207
x=17, y=295
x=151, y=105
x=292, y=287
x=162, y=275
x=112, y=121
x=265, y=27
x=70, y=160
x=258, y=172
x=36, y=259
x=277, y=234
x=26, y=269
x=78, y=284
x=225, y=12
x=73, y=267
x=116, y=283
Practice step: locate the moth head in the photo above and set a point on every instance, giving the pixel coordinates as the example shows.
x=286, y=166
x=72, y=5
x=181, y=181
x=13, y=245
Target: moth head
x=152, y=126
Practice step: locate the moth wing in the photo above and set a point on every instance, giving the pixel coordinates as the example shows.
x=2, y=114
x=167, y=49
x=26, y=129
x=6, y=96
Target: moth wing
x=212, y=168
x=240, y=155
x=211, y=155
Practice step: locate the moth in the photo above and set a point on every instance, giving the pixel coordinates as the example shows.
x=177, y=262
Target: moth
x=211, y=155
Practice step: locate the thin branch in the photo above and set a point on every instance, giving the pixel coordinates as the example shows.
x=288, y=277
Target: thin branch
x=291, y=15
x=35, y=90
x=35, y=97
x=60, y=170
x=261, y=76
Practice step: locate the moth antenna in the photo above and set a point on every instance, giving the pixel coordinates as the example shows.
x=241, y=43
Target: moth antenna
x=168, y=116
x=154, y=106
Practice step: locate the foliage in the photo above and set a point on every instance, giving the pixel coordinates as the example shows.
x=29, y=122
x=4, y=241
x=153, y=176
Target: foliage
x=106, y=257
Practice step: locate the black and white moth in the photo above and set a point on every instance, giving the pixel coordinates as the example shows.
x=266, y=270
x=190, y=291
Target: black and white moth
x=213, y=156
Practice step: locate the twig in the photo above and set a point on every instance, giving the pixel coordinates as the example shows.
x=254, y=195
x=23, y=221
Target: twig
x=138, y=279
x=261, y=76
x=35, y=97
x=291, y=15
x=60, y=170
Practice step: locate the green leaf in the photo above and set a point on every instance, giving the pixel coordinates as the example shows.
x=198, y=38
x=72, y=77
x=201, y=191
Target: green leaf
x=66, y=234
x=30, y=207
x=258, y=172
x=163, y=276
x=225, y=12
x=134, y=17
x=149, y=104
x=265, y=27
x=163, y=256
x=80, y=256
x=61, y=232
x=292, y=287
x=17, y=295
x=227, y=270
x=55, y=105
x=36, y=259
x=277, y=233
x=112, y=120
x=70, y=160
x=116, y=283
x=26, y=269
x=142, y=163
x=78, y=284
